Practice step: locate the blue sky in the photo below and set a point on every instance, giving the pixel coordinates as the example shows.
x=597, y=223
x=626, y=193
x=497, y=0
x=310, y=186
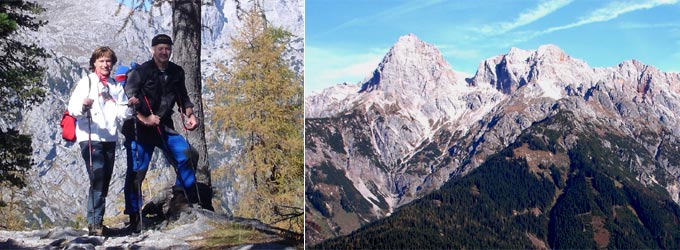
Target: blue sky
x=132, y=3
x=345, y=40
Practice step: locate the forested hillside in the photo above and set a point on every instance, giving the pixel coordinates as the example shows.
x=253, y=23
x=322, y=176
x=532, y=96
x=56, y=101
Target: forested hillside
x=563, y=184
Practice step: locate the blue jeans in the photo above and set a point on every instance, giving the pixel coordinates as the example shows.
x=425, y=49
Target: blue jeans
x=176, y=151
x=99, y=173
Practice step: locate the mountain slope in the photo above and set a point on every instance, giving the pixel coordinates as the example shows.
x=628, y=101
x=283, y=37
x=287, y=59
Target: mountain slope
x=382, y=146
x=563, y=184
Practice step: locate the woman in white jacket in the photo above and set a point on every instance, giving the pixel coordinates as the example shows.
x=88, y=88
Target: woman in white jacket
x=99, y=104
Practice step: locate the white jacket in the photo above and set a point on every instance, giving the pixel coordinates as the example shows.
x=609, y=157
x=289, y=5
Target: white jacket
x=106, y=115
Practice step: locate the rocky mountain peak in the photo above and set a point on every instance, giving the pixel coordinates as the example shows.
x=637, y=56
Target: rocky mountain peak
x=516, y=55
x=548, y=68
x=410, y=45
x=637, y=70
x=551, y=52
x=413, y=75
x=548, y=53
x=409, y=38
x=632, y=64
x=646, y=82
x=411, y=66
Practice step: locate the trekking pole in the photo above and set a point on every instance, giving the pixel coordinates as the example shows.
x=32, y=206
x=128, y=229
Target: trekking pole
x=90, y=168
x=135, y=161
x=191, y=155
x=167, y=152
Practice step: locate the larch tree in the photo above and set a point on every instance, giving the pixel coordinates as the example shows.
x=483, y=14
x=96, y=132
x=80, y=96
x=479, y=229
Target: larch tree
x=260, y=102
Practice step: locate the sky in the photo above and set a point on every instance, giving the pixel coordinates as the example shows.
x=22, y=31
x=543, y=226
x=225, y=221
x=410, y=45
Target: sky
x=134, y=3
x=345, y=40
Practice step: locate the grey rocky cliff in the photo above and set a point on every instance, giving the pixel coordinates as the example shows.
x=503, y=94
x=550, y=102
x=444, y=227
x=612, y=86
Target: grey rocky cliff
x=404, y=157
x=58, y=181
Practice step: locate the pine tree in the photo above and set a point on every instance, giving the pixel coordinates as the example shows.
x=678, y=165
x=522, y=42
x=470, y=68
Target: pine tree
x=20, y=71
x=21, y=87
x=15, y=161
x=261, y=103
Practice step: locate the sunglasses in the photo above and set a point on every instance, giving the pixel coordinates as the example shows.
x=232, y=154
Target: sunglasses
x=105, y=93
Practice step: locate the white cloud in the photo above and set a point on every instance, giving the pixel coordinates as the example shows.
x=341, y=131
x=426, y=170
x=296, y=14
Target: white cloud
x=410, y=6
x=635, y=25
x=609, y=12
x=498, y=35
x=527, y=17
x=612, y=11
x=325, y=67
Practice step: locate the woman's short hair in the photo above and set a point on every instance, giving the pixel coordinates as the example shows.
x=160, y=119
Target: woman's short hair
x=102, y=52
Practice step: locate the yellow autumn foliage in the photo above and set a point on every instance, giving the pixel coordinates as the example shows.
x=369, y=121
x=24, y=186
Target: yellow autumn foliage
x=261, y=103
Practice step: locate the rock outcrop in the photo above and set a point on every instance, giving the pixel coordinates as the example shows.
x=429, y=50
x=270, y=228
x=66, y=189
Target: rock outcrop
x=193, y=229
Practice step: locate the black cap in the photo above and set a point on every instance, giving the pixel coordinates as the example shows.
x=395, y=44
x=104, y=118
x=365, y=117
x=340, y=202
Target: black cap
x=161, y=39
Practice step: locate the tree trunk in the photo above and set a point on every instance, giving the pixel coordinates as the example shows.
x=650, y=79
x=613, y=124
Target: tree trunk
x=186, y=19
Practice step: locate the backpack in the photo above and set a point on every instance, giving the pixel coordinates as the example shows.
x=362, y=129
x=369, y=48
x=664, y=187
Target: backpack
x=68, y=122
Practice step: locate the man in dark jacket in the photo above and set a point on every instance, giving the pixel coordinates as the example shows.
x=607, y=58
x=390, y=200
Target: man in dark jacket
x=153, y=88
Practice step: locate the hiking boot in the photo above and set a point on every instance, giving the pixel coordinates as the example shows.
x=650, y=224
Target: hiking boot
x=95, y=230
x=135, y=226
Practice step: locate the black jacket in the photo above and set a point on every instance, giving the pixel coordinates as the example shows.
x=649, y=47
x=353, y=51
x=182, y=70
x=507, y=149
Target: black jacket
x=162, y=90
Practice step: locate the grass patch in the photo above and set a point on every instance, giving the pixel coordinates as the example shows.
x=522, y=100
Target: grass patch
x=115, y=220
x=230, y=235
